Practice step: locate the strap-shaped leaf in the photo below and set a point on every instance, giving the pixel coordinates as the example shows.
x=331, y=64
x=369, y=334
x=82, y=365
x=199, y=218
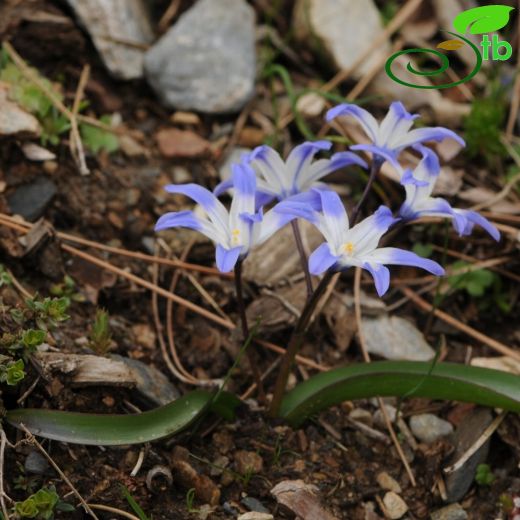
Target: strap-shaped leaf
x=484, y=19
x=447, y=381
x=113, y=430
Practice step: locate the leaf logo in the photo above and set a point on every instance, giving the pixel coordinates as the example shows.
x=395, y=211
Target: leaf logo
x=484, y=19
x=450, y=45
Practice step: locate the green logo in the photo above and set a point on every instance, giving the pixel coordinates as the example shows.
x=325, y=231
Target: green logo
x=479, y=20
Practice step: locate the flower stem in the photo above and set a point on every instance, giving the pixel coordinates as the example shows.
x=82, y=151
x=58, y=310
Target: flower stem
x=303, y=257
x=377, y=162
x=295, y=343
x=245, y=331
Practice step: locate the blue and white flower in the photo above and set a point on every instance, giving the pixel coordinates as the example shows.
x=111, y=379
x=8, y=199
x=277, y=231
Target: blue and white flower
x=419, y=185
x=357, y=246
x=394, y=132
x=235, y=231
x=279, y=179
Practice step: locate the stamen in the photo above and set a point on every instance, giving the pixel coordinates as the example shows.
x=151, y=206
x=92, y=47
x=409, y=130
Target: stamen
x=235, y=236
x=348, y=248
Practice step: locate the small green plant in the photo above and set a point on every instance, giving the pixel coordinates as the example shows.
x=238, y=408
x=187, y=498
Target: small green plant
x=484, y=475
x=100, y=337
x=67, y=289
x=53, y=122
x=49, y=312
x=42, y=505
x=484, y=125
x=190, y=498
x=12, y=372
x=475, y=283
x=5, y=278
x=133, y=503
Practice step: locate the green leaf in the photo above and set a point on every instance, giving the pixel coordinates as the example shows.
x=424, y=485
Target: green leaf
x=15, y=372
x=138, y=510
x=424, y=250
x=402, y=379
x=31, y=338
x=26, y=509
x=484, y=19
x=111, y=429
x=96, y=139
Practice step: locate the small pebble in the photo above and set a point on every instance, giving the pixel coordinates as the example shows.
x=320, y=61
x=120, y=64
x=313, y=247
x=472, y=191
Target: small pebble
x=379, y=419
x=36, y=464
x=429, y=428
x=362, y=416
x=254, y=505
x=395, y=506
x=451, y=512
x=248, y=462
x=388, y=483
x=254, y=515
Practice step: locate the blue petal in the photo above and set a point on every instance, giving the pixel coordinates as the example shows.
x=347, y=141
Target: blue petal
x=400, y=111
x=365, y=118
x=342, y=159
x=421, y=135
x=381, y=276
x=262, y=199
x=429, y=159
x=384, y=218
x=199, y=194
x=185, y=219
x=321, y=259
x=408, y=178
x=227, y=258
x=244, y=179
x=396, y=256
x=385, y=153
x=222, y=187
x=296, y=209
x=476, y=218
x=252, y=218
x=331, y=204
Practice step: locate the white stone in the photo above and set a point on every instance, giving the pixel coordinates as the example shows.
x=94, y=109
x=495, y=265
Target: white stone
x=395, y=506
x=120, y=31
x=429, y=428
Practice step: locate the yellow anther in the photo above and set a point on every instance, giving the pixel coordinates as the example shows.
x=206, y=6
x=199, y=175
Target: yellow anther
x=235, y=232
x=348, y=248
x=235, y=236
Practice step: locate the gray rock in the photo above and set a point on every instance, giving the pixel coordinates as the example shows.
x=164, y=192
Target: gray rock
x=206, y=61
x=340, y=31
x=451, y=512
x=429, y=428
x=151, y=383
x=253, y=504
x=14, y=121
x=396, y=338
x=469, y=430
x=36, y=464
x=118, y=29
x=31, y=200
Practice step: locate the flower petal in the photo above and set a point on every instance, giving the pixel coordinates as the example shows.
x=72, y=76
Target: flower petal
x=396, y=123
x=270, y=166
x=365, y=118
x=396, y=256
x=366, y=235
x=300, y=159
x=472, y=218
x=421, y=135
x=271, y=223
x=226, y=258
x=335, y=217
x=322, y=167
x=211, y=205
x=384, y=153
x=188, y=219
x=321, y=259
x=222, y=187
x=381, y=276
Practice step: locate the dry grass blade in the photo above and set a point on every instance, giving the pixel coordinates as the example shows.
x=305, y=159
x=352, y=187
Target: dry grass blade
x=76, y=145
x=366, y=357
x=110, y=509
x=470, y=331
x=24, y=227
x=32, y=439
x=3, y=443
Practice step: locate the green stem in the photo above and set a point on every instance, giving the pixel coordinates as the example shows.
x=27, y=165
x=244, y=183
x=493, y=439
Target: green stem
x=245, y=331
x=377, y=162
x=303, y=257
x=295, y=343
